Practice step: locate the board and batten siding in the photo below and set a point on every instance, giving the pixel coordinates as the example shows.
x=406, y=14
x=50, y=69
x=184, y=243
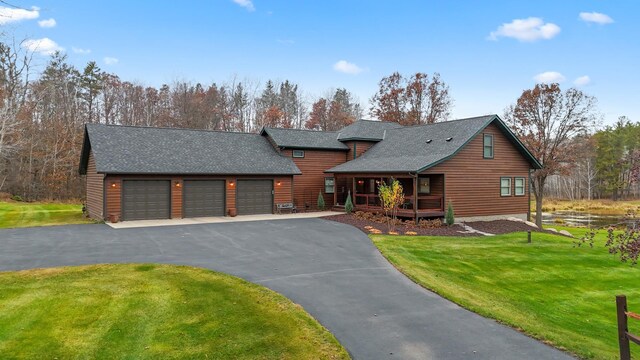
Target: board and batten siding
x=308, y=185
x=472, y=183
x=358, y=148
x=95, y=190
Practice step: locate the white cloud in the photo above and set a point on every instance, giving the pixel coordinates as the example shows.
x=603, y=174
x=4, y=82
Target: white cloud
x=247, y=4
x=596, y=17
x=49, y=23
x=530, y=29
x=9, y=15
x=549, y=77
x=346, y=67
x=44, y=46
x=582, y=81
x=110, y=60
x=80, y=50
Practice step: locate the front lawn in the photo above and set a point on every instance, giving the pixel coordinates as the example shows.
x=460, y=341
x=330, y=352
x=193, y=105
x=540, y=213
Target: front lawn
x=152, y=312
x=21, y=214
x=548, y=289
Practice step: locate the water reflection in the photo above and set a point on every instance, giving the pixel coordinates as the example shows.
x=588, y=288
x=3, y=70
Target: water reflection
x=580, y=218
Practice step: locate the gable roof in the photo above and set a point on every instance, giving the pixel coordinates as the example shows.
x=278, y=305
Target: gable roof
x=406, y=149
x=367, y=130
x=304, y=139
x=145, y=150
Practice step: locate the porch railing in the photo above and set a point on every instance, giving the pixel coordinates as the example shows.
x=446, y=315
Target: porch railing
x=425, y=202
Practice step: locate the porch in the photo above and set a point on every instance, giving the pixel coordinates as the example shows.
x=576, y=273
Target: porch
x=424, y=194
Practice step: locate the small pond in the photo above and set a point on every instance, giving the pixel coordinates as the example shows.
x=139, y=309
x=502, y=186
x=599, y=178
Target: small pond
x=579, y=218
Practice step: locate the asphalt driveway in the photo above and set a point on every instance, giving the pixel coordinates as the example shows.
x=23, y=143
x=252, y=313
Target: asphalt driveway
x=331, y=269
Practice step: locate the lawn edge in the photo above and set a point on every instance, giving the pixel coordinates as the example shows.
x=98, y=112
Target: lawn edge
x=471, y=308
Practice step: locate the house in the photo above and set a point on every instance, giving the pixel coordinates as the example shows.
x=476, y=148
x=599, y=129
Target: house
x=477, y=164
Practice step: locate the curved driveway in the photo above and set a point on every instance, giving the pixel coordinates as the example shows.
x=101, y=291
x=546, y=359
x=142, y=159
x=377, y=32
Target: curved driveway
x=331, y=269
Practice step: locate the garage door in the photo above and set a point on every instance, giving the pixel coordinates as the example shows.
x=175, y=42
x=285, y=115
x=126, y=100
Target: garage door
x=146, y=199
x=254, y=197
x=203, y=198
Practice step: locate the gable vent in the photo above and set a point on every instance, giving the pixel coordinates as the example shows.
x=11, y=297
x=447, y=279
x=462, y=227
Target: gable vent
x=449, y=138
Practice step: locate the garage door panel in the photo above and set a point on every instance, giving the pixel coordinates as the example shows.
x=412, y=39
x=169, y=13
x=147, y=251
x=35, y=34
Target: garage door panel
x=204, y=198
x=146, y=199
x=254, y=197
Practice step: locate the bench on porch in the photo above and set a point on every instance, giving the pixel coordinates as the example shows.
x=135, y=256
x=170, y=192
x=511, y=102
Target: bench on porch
x=286, y=206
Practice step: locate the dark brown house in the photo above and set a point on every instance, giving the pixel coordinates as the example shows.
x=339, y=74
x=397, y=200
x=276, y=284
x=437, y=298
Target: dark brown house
x=477, y=164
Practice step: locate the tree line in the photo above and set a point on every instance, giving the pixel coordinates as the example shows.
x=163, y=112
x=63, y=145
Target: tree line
x=42, y=114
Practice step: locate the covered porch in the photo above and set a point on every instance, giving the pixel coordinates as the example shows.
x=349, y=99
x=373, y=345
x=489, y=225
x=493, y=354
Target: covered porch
x=424, y=194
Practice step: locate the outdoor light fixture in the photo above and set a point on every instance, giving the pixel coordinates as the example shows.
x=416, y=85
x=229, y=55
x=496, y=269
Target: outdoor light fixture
x=177, y=183
x=360, y=182
x=231, y=183
x=113, y=184
x=278, y=183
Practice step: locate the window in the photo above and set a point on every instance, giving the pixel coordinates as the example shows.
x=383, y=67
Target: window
x=298, y=153
x=329, y=185
x=505, y=186
x=488, y=146
x=424, y=185
x=519, y=184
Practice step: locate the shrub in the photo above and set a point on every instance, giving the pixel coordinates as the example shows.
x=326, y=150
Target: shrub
x=17, y=198
x=411, y=233
x=348, y=205
x=449, y=218
x=320, y=201
x=391, y=196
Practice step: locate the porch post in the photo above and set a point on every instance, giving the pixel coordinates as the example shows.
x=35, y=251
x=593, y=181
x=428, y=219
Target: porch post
x=353, y=193
x=415, y=197
x=335, y=189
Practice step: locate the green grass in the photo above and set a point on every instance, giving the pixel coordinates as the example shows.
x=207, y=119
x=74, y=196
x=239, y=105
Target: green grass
x=20, y=214
x=150, y=312
x=548, y=289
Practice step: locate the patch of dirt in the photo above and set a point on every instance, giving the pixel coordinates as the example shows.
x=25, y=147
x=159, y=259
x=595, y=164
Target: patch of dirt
x=455, y=230
x=493, y=227
x=504, y=227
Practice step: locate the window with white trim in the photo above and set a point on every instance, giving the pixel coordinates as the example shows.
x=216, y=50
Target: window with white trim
x=505, y=186
x=487, y=146
x=519, y=186
x=298, y=153
x=329, y=185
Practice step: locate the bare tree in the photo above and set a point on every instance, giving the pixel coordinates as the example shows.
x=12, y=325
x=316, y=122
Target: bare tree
x=14, y=84
x=546, y=119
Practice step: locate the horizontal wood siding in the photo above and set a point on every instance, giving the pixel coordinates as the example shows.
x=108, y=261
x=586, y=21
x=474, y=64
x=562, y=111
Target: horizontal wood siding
x=472, y=183
x=95, y=190
x=176, y=197
x=113, y=197
x=283, y=193
x=308, y=185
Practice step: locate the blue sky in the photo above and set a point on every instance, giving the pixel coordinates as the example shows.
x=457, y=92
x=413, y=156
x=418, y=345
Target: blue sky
x=487, y=52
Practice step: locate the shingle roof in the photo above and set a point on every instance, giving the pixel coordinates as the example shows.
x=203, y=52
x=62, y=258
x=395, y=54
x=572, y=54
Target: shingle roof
x=368, y=130
x=305, y=139
x=145, y=150
x=406, y=149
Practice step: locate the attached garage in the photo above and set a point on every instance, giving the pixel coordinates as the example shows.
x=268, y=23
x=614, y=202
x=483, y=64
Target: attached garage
x=146, y=199
x=254, y=197
x=142, y=173
x=203, y=198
